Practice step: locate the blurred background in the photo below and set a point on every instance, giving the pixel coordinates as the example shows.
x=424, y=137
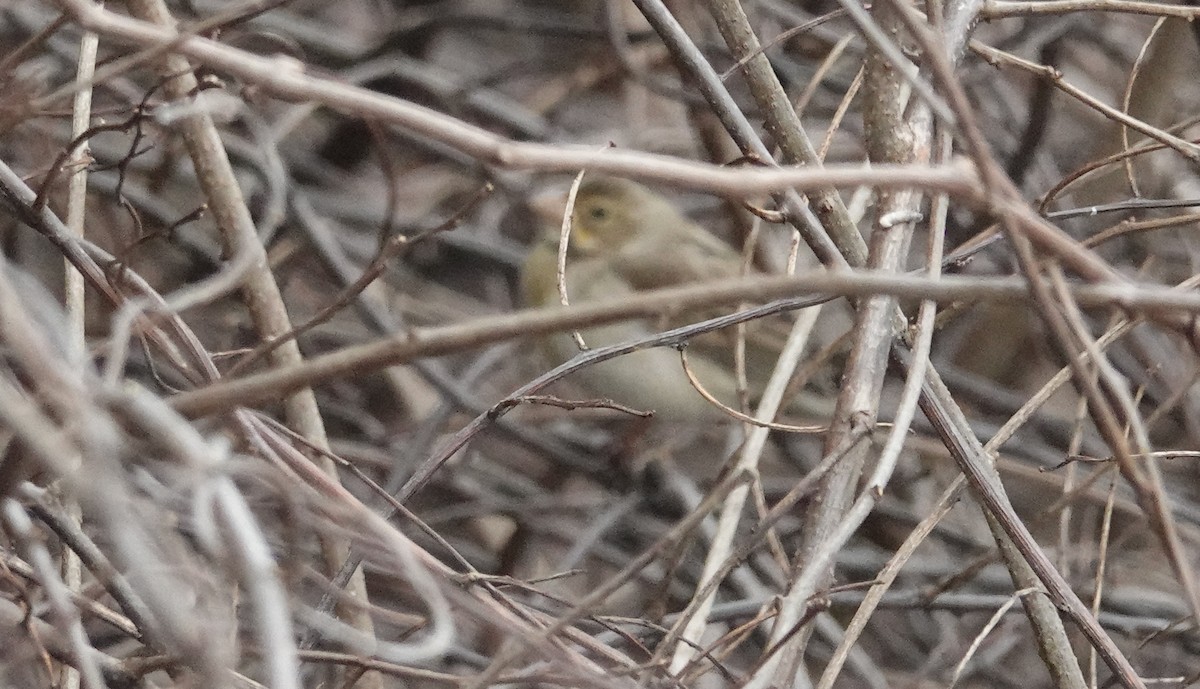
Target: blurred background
x=547, y=504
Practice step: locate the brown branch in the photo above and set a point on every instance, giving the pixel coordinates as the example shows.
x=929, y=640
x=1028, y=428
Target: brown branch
x=241, y=241
x=405, y=347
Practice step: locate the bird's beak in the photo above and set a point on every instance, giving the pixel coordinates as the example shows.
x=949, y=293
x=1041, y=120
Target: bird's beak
x=549, y=207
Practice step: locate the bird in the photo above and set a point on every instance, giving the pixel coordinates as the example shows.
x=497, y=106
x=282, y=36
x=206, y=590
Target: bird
x=626, y=238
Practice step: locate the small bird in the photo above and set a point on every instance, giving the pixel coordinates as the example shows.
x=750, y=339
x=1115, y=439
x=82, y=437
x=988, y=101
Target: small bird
x=626, y=238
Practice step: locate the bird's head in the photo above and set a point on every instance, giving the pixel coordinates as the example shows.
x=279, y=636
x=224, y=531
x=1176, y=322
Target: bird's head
x=608, y=213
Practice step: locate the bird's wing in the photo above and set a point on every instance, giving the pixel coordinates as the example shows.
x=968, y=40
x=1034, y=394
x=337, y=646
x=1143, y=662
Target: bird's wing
x=675, y=256
x=678, y=258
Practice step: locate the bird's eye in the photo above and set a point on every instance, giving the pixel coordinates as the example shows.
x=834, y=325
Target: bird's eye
x=598, y=213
